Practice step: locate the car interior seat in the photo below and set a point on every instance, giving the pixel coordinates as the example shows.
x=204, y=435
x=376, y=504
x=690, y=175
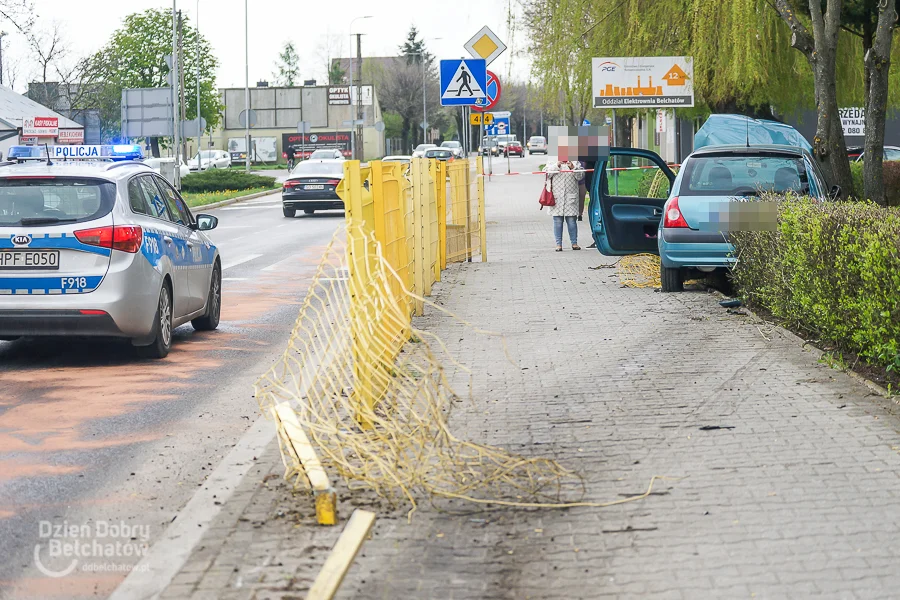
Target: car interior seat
x=786, y=179
x=720, y=178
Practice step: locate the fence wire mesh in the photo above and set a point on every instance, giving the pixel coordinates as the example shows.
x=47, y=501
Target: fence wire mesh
x=374, y=400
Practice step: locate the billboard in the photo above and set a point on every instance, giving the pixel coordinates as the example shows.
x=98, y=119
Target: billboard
x=853, y=121
x=342, y=95
x=40, y=126
x=306, y=143
x=643, y=82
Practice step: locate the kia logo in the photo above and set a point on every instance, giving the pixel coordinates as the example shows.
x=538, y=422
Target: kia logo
x=21, y=240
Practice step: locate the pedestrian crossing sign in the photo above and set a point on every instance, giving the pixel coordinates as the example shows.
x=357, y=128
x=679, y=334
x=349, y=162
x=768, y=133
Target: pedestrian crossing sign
x=463, y=82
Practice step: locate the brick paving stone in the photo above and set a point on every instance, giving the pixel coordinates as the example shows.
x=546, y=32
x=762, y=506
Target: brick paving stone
x=797, y=497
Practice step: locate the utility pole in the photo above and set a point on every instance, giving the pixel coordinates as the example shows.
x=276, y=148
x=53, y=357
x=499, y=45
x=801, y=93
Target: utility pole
x=247, y=85
x=175, y=92
x=359, y=129
x=182, y=94
x=3, y=34
x=199, y=132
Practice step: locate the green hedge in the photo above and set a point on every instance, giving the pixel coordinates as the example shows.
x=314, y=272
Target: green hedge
x=220, y=180
x=832, y=270
x=891, y=181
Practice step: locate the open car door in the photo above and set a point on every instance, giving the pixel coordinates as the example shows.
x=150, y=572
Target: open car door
x=627, y=201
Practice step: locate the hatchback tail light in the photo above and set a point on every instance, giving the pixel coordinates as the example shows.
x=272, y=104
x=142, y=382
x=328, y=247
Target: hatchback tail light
x=673, y=217
x=333, y=181
x=127, y=238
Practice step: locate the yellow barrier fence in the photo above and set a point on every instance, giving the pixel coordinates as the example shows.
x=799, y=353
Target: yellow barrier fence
x=362, y=392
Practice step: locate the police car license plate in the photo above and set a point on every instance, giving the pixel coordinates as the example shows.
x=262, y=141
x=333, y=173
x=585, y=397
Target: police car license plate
x=29, y=260
x=313, y=187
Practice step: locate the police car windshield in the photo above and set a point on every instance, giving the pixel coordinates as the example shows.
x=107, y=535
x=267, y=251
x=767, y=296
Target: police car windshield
x=32, y=202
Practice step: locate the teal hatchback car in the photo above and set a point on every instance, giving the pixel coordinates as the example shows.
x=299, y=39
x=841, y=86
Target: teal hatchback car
x=638, y=205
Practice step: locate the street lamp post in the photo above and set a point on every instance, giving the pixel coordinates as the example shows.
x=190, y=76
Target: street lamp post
x=3, y=34
x=353, y=128
x=424, y=91
x=175, y=90
x=199, y=133
x=247, y=85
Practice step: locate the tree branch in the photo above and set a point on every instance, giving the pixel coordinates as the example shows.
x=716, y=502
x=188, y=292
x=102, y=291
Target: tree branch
x=800, y=37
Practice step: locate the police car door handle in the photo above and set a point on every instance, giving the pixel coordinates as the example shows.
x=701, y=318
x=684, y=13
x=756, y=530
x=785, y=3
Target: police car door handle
x=167, y=239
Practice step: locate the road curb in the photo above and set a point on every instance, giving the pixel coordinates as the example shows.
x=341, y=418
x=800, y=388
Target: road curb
x=808, y=346
x=232, y=200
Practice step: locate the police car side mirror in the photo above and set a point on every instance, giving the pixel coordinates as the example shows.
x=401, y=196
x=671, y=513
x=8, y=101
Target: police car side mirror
x=207, y=222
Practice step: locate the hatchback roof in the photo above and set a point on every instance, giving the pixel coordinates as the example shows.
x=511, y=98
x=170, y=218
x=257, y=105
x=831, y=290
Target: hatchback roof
x=740, y=150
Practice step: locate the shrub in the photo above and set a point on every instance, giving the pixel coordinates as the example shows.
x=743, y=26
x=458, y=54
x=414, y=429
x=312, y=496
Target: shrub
x=220, y=180
x=832, y=270
x=891, y=181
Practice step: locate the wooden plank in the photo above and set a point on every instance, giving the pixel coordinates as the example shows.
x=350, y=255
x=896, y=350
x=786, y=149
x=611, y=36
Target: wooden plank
x=342, y=556
x=316, y=474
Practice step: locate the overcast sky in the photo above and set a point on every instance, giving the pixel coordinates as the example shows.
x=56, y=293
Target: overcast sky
x=310, y=24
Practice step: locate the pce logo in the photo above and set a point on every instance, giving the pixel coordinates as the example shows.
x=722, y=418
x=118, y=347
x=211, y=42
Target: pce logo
x=608, y=67
x=21, y=240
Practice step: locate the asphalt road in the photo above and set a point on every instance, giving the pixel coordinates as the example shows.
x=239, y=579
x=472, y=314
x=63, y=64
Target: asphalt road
x=90, y=433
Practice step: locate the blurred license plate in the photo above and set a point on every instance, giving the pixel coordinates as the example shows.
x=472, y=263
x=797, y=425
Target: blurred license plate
x=30, y=259
x=314, y=187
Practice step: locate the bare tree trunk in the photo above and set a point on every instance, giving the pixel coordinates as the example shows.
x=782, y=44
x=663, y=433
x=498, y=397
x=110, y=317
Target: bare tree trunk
x=820, y=50
x=878, y=65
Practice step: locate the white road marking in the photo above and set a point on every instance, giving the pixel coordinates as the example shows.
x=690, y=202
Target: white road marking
x=234, y=227
x=240, y=261
x=251, y=207
x=234, y=279
x=163, y=561
x=278, y=264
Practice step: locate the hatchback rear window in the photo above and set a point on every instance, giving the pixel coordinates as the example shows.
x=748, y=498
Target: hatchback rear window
x=744, y=175
x=28, y=201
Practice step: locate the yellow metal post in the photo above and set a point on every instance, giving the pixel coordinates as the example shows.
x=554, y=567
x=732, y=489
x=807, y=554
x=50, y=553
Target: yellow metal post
x=428, y=212
x=417, y=168
x=442, y=216
x=482, y=224
x=378, y=204
x=468, y=196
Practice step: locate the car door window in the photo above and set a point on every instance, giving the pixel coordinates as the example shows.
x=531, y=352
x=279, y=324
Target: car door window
x=177, y=208
x=153, y=200
x=636, y=177
x=136, y=198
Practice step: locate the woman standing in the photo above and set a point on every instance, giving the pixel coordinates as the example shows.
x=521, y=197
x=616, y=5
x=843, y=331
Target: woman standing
x=565, y=186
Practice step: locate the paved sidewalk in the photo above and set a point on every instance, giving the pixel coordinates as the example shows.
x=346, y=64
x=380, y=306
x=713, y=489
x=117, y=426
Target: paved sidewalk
x=790, y=470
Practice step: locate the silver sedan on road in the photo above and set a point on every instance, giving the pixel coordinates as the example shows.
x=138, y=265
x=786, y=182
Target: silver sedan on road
x=103, y=249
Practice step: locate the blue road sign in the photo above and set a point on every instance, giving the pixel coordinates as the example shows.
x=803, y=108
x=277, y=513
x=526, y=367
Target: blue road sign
x=463, y=82
x=585, y=122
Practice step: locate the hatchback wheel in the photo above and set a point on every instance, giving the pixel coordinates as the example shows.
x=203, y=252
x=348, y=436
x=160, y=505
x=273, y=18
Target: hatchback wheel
x=162, y=327
x=672, y=279
x=210, y=320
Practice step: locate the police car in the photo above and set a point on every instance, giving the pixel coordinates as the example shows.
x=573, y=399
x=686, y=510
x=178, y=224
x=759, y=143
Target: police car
x=102, y=248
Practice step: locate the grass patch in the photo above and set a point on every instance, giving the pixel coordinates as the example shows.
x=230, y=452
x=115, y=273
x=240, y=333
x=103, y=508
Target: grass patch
x=203, y=198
